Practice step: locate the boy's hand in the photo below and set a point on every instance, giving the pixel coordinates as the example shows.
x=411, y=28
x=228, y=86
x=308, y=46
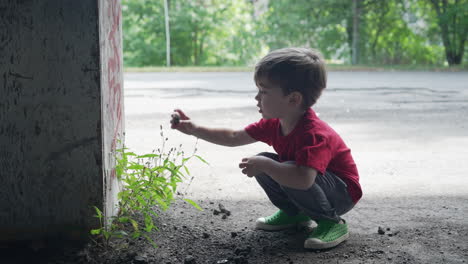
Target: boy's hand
x=181, y=122
x=252, y=166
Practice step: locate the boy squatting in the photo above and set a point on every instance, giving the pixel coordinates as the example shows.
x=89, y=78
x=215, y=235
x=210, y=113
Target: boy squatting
x=313, y=175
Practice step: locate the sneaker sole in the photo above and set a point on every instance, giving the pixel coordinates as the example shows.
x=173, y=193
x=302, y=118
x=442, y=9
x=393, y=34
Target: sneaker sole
x=317, y=244
x=263, y=226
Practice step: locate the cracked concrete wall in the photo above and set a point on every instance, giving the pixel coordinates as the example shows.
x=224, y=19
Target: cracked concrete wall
x=54, y=121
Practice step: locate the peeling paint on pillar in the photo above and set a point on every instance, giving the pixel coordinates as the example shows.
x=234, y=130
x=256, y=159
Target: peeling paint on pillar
x=61, y=113
x=110, y=32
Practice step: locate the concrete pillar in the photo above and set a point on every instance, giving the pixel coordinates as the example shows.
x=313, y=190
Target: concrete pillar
x=61, y=115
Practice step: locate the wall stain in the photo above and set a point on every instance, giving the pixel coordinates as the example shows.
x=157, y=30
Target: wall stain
x=69, y=147
x=19, y=76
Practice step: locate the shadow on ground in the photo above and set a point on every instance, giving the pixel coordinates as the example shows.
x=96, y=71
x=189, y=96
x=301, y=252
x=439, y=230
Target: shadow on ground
x=417, y=230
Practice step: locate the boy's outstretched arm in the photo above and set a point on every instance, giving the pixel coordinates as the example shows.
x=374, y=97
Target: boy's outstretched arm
x=220, y=136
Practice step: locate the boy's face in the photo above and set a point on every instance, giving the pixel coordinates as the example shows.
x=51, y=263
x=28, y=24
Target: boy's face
x=270, y=100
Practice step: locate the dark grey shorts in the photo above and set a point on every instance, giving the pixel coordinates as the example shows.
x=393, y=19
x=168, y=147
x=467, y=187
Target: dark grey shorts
x=327, y=198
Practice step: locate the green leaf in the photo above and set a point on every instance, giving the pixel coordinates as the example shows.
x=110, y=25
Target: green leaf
x=200, y=158
x=148, y=156
x=134, y=224
x=150, y=241
x=95, y=231
x=136, y=166
x=124, y=219
x=136, y=235
x=120, y=233
x=98, y=212
x=186, y=170
x=194, y=204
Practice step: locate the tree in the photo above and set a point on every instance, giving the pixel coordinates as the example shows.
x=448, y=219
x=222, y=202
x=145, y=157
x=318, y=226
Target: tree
x=203, y=32
x=452, y=19
x=311, y=23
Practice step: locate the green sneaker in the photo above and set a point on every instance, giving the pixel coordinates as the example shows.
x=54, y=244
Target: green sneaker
x=280, y=220
x=327, y=234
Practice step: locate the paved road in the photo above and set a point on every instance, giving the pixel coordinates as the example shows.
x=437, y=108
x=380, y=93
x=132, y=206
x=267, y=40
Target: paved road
x=408, y=130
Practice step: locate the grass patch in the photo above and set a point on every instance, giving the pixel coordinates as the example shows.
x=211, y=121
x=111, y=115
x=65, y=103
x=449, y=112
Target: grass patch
x=331, y=67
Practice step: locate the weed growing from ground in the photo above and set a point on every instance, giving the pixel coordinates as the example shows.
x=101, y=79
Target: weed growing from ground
x=148, y=181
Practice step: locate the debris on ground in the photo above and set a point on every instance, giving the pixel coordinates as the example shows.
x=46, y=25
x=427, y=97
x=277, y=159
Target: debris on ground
x=190, y=260
x=222, y=210
x=381, y=231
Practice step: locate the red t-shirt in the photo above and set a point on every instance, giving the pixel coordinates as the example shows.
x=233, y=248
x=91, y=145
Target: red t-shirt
x=312, y=143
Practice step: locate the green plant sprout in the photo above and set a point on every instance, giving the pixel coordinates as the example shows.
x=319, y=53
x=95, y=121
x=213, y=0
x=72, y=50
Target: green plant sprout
x=148, y=181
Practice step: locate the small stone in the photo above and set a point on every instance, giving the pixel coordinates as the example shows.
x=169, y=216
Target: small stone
x=206, y=235
x=140, y=259
x=224, y=217
x=233, y=234
x=189, y=260
x=175, y=119
x=221, y=208
x=216, y=212
x=380, y=231
x=240, y=260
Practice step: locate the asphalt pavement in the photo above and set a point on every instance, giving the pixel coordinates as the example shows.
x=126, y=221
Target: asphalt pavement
x=408, y=131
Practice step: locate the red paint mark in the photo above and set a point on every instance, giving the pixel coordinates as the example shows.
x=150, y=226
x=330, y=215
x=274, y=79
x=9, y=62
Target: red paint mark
x=114, y=71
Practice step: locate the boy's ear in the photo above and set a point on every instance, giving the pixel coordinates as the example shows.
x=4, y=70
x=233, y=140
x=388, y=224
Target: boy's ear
x=295, y=98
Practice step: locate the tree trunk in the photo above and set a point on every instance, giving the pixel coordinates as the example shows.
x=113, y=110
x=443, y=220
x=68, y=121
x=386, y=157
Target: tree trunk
x=453, y=29
x=195, y=48
x=168, y=35
x=355, y=47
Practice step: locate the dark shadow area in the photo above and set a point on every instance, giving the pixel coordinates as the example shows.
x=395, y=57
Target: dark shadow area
x=49, y=250
x=430, y=229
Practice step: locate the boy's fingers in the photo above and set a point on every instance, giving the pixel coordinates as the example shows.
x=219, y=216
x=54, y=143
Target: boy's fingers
x=183, y=116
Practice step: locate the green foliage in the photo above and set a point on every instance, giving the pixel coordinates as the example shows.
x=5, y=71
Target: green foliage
x=148, y=181
x=203, y=32
x=448, y=19
x=238, y=33
x=394, y=37
x=310, y=23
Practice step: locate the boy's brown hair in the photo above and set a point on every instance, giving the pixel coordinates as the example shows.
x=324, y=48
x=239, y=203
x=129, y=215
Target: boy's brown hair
x=294, y=69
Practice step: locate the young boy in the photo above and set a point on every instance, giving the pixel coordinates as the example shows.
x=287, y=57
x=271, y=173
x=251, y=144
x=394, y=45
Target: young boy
x=313, y=175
